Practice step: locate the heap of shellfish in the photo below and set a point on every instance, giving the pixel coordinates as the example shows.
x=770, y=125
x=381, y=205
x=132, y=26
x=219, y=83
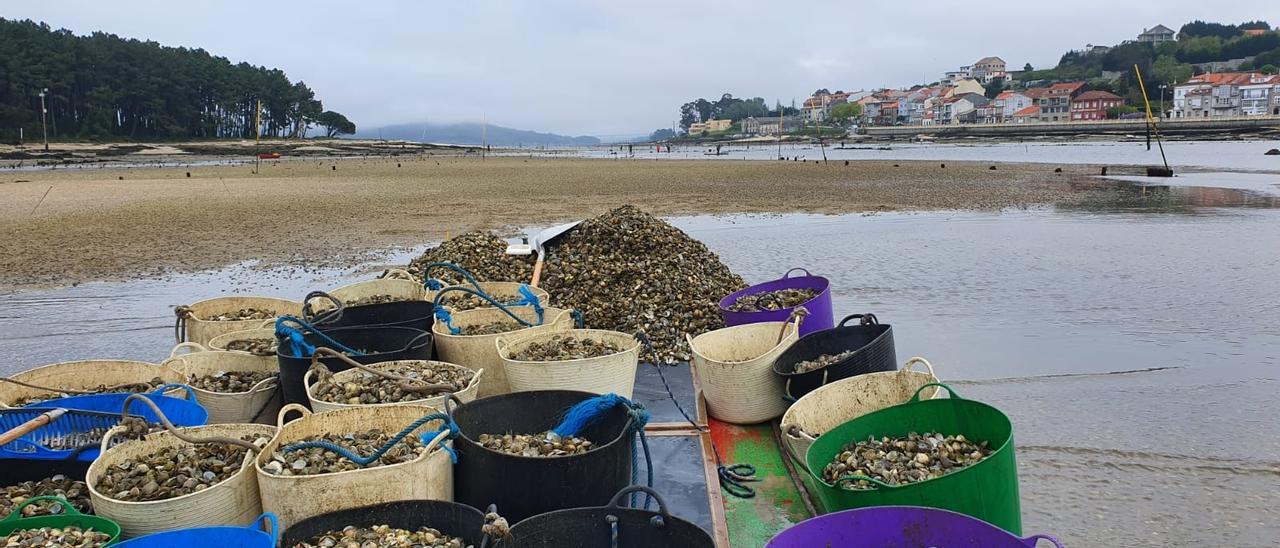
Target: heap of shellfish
x=905, y=459
x=315, y=460
x=374, y=299
x=625, y=270
x=174, y=471
x=467, y=301
x=364, y=387
x=383, y=536
x=75, y=491
x=483, y=254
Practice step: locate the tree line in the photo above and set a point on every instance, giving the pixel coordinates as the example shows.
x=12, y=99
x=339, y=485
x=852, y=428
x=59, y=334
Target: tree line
x=103, y=86
x=728, y=107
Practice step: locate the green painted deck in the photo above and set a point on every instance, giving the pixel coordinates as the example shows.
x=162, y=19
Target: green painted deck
x=778, y=503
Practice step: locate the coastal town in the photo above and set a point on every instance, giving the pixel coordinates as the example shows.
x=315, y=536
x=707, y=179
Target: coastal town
x=991, y=92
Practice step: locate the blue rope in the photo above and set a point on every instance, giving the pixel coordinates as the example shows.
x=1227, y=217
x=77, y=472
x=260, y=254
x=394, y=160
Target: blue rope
x=435, y=284
x=365, y=461
x=298, y=342
x=588, y=411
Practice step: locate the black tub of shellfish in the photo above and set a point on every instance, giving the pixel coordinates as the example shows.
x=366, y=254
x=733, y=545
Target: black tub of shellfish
x=15, y=471
x=600, y=526
x=413, y=314
x=450, y=518
x=870, y=341
x=525, y=486
x=378, y=344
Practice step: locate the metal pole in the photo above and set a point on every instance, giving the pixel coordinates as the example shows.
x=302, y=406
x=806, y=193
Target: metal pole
x=44, y=125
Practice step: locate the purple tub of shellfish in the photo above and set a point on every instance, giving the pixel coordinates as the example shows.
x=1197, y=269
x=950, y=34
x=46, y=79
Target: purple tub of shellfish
x=902, y=527
x=820, y=315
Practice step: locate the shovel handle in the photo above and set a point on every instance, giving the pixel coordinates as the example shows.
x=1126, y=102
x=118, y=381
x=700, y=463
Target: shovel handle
x=537, y=272
x=31, y=425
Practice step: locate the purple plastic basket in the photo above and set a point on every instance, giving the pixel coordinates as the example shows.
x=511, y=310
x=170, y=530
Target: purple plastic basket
x=820, y=314
x=901, y=527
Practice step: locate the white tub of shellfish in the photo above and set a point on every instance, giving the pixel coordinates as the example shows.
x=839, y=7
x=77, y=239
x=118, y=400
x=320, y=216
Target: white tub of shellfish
x=615, y=372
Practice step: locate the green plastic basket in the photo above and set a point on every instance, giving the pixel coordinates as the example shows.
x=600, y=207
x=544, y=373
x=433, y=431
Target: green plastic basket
x=987, y=490
x=70, y=516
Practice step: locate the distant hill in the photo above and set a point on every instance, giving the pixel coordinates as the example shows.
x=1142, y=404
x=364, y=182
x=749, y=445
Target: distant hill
x=470, y=134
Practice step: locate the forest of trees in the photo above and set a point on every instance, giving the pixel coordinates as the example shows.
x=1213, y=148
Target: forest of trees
x=727, y=108
x=102, y=86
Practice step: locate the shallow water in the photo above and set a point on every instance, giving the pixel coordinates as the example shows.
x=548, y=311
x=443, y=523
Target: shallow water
x=1231, y=155
x=1135, y=349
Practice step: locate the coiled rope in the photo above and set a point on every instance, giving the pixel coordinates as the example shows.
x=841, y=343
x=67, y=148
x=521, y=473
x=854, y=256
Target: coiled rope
x=732, y=476
x=527, y=298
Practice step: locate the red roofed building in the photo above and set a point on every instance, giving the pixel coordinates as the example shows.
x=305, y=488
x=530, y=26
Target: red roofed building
x=1223, y=94
x=1027, y=115
x=1055, y=103
x=1093, y=105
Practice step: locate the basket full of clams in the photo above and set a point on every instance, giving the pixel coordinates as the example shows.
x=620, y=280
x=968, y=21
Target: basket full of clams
x=473, y=343
x=299, y=482
x=163, y=481
x=398, y=382
x=590, y=360
x=201, y=321
x=235, y=387
x=79, y=377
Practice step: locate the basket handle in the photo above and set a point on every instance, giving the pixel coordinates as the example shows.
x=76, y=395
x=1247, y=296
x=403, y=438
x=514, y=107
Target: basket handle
x=301, y=409
x=191, y=394
x=188, y=346
x=915, y=360
x=475, y=380
x=111, y=434
x=864, y=319
x=68, y=509
x=826, y=372
x=1033, y=540
x=325, y=316
x=438, y=439
x=950, y=393
x=272, y=521
x=793, y=430
x=788, y=273
x=414, y=340
x=395, y=274
x=616, y=501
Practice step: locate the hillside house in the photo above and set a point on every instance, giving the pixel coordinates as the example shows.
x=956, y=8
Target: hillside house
x=1027, y=115
x=709, y=126
x=988, y=69
x=1010, y=102
x=1157, y=34
x=769, y=125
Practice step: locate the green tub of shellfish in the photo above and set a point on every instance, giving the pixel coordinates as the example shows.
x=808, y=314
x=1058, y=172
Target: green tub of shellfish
x=987, y=489
x=70, y=517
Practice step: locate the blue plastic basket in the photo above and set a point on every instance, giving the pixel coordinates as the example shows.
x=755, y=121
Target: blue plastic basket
x=179, y=411
x=223, y=536
x=35, y=444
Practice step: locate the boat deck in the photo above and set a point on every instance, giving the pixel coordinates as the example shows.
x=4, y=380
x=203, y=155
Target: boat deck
x=685, y=469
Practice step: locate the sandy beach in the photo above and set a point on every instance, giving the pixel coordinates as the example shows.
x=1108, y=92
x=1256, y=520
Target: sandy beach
x=69, y=226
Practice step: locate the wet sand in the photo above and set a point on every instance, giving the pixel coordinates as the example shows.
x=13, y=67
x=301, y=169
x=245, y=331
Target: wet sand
x=69, y=226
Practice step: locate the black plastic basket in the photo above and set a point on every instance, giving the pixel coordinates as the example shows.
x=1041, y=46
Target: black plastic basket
x=871, y=340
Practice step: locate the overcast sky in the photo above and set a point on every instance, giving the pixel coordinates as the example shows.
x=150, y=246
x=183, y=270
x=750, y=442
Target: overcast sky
x=614, y=67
